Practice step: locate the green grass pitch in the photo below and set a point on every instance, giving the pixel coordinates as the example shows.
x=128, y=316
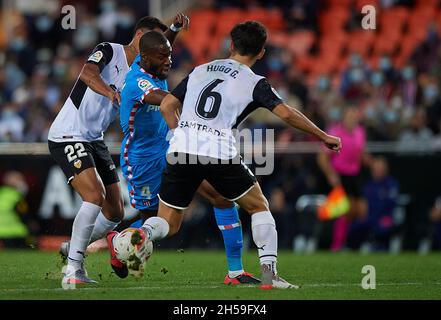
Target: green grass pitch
x=199, y=275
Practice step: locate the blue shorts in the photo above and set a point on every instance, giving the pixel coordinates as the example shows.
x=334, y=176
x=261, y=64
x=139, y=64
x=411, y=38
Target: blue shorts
x=144, y=183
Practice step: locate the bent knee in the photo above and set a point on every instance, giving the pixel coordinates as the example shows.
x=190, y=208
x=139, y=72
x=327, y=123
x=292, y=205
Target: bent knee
x=96, y=197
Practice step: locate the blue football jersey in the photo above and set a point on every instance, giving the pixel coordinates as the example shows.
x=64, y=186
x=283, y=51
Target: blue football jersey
x=144, y=128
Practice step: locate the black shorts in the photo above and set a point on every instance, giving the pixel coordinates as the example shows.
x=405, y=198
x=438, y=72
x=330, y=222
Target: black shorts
x=76, y=156
x=352, y=185
x=181, y=180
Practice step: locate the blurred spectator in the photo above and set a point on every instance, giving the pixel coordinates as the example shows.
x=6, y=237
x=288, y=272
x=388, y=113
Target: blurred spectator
x=417, y=135
x=353, y=83
x=343, y=169
x=13, y=207
x=381, y=194
x=408, y=86
x=435, y=224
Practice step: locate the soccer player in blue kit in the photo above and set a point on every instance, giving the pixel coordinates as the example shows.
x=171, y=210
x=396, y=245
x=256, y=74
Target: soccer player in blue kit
x=144, y=147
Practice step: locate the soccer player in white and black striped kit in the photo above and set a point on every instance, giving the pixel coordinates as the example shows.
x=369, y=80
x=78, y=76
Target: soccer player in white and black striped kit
x=215, y=98
x=76, y=143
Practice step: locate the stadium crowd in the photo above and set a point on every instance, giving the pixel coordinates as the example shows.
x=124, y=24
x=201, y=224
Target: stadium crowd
x=39, y=62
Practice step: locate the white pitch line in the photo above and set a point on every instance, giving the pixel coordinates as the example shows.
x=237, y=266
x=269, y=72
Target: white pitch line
x=311, y=285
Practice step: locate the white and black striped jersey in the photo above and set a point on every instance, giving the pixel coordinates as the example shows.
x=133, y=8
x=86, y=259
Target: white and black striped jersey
x=216, y=98
x=86, y=114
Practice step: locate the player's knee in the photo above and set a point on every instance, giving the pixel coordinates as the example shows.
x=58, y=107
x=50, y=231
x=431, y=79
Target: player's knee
x=96, y=197
x=257, y=204
x=220, y=202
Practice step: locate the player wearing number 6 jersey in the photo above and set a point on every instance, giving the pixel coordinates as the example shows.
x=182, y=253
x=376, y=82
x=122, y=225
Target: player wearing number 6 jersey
x=215, y=98
x=145, y=144
x=76, y=143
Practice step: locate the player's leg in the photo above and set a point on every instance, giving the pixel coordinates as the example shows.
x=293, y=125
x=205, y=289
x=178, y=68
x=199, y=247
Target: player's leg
x=227, y=218
x=108, y=219
x=76, y=161
x=90, y=187
x=237, y=183
x=178, y=186
x=264, y=236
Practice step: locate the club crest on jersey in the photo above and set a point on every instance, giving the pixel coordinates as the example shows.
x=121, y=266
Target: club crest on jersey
x=78, y=163
x=144, y=84
x=96, y=57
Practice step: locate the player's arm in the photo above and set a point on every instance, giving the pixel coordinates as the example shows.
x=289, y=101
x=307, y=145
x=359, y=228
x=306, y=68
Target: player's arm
x=91, y=72
x=154, y=97
x=180, y=21
x=298, y=120
x=265, y=95
x=172, y=104
x=170, y=109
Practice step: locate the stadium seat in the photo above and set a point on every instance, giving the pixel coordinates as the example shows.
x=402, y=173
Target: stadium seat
x=359, y=4
x=226, y=20
x=361, y=41
x=340, y=3
x=300, y=42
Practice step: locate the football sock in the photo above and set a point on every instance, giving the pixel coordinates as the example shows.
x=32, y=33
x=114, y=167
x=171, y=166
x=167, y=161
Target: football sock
x=102, y=227
x=157, y=228
x=81, y=232
x=265, y=238
x=229, y=224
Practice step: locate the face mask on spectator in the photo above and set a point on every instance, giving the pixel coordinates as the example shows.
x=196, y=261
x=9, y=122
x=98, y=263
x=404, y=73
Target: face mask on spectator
x=356, y=75
x=275, y=64
x=323, y=83
x=370, y=113
x=125, y=20
x=408, y=73
x=377, y=79
x=17, y=44
x=430, y=92
x=334, y=114
x=8, y=114
x=390, y=116
x=355, y=60
x=385, y=63
x=107, y=6
x=43, y=23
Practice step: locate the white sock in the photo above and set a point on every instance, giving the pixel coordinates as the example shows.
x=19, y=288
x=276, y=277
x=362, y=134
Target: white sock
x=234, y=274
x=157, y=228
x=265, y=238
x=102, y=227
x=81, y=232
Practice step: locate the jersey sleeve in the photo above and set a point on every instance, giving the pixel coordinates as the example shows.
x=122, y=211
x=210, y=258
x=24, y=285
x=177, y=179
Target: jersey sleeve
x=264, y=95
x=101, y=55
x=142, y=88
x=180, y=90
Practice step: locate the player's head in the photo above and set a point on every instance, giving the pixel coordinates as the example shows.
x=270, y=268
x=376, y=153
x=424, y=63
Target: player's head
x=248, y=39
x=144, y=25
x=155, y=52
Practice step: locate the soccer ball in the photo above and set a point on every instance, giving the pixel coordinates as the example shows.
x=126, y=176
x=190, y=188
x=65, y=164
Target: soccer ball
x=133, y=250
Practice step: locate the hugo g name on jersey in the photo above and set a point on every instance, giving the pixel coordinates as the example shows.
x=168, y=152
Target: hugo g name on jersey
x=216, y=98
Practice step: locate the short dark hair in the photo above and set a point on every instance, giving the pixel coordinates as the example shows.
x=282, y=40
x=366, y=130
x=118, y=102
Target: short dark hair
x=248, y=38
x=151, y=40
x=150, y=23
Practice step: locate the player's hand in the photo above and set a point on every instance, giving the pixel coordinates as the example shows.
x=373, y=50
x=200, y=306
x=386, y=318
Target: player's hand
x=181, y=21
x=115, y=97
x=333, y=143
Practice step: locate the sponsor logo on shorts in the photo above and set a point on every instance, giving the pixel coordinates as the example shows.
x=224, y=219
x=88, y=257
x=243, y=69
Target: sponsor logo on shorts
x=112, y=167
